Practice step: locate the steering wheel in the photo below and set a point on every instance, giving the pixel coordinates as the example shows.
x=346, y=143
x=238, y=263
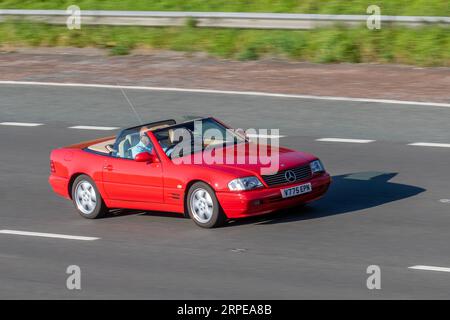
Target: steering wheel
x=169, y=150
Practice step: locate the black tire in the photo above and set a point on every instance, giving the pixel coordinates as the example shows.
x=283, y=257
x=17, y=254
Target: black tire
x=97, y=208
x=217, y=217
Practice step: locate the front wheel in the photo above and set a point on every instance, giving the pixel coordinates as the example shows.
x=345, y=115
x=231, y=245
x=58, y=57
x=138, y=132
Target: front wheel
x=87, y=199
x=203, y=206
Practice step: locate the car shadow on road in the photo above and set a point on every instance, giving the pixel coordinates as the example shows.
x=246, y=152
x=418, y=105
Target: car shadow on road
x=347, y=193
x=114, y=213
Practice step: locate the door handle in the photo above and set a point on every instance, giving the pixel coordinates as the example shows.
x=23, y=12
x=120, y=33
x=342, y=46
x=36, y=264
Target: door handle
x=108, y=167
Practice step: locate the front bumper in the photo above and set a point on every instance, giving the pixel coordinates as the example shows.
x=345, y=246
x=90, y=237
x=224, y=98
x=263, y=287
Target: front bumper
x=266, y=200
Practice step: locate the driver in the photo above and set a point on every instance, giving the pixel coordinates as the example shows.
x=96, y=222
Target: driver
x=144, y=145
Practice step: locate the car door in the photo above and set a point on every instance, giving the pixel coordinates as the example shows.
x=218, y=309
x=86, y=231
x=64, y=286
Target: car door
x=129, y=180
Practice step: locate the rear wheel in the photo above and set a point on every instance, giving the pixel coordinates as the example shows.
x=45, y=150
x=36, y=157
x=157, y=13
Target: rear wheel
x=87, y=199
x=203, y=207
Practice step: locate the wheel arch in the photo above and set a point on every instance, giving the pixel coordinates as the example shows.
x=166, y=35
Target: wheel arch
x=72, y=180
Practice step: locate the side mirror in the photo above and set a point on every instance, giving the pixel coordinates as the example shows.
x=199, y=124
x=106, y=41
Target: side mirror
x=146, y=157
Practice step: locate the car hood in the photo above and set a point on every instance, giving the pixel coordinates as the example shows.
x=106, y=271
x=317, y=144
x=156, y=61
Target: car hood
x=251, y=159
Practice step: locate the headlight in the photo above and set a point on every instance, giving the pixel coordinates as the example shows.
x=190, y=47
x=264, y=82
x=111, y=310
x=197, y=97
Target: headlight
x=247, y=183
x=316, y=166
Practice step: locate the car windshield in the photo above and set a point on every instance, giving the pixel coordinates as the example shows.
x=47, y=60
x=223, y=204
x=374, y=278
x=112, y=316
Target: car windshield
x=189, y=137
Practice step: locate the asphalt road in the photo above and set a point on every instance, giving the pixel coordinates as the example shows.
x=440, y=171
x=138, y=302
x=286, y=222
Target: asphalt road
x=384, y=208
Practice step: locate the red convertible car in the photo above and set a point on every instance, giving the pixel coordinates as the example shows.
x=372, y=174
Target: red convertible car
x=201, y=169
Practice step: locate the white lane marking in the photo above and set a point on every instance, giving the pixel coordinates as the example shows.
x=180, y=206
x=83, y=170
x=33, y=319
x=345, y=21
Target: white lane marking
x=93, y=128
x=47, y=235
x=238, y=250
x=246, y=93
x=265, y=136
x=430, y=268
x=429, y=144
x=344, y=140
x=21, y=124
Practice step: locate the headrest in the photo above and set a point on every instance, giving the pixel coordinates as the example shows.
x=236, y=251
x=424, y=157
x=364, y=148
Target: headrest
x=133, y=138
x=171, y=134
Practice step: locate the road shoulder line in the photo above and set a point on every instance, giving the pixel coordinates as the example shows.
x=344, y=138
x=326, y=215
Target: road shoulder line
x=245, y=93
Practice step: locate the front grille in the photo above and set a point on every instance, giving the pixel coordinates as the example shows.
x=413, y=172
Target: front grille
x=301, y=173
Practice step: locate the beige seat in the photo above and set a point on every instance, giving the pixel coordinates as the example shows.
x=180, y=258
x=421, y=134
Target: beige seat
x=122, y=147
x=126, y=144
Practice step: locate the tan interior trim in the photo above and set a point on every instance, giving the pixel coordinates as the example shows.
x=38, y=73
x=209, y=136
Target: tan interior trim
x=101, y=147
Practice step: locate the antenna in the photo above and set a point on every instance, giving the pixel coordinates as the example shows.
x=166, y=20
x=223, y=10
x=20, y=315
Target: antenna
x=131, y=105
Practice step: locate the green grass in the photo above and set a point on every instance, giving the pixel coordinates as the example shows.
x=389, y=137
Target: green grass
x=388, y=7
x=426, y=46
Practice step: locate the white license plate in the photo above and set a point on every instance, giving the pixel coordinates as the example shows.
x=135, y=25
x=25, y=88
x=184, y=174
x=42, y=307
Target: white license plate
x=297, y=190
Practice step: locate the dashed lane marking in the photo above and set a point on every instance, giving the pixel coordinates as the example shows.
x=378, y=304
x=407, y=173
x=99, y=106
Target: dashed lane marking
x=265, y=136
x=47, y=235
x=21, y=124
x=430, y=268
x=430, y=144
x=344, y=140
x=94, y=128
